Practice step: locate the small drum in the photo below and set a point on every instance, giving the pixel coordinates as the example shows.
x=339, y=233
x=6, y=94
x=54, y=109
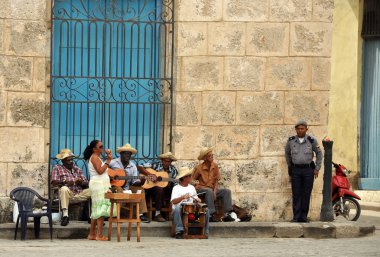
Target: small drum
x=194, y=207
x=188, y=207
x=201, y=207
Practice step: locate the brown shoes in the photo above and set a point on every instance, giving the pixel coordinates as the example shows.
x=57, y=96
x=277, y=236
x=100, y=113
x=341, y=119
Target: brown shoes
x=159, y=218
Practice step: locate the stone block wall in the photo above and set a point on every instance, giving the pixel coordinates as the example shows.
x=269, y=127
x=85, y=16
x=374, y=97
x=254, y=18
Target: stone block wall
x=24, y=97
x=247, y=71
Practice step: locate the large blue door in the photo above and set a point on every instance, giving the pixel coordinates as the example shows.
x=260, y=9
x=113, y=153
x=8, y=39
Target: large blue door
x=109, y=75
x=370, y=117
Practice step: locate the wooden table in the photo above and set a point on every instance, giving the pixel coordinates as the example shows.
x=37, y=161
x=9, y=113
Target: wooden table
x=130, y=200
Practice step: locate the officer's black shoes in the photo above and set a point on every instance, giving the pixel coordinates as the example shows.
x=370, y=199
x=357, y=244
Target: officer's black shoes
x=300, y=220
x=65, y=221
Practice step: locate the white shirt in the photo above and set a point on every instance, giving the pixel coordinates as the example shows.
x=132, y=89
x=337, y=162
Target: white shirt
x=179, y=191
x=94, y=173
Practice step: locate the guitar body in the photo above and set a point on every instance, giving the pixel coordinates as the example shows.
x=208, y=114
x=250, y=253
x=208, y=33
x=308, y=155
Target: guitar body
x=118, y=178
x=162, y=179
x=114, y=177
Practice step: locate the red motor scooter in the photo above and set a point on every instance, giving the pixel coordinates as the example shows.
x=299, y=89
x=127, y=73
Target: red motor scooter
x=343, y=199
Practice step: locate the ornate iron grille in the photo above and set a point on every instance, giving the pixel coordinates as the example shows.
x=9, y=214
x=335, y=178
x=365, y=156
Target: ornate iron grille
x=111, y=75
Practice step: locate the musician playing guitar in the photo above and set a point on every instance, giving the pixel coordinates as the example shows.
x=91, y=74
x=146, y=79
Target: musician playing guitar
x=160, y=193
x=124, y=163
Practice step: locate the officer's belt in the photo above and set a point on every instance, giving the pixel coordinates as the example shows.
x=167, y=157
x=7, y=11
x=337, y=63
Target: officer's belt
x=301, y=165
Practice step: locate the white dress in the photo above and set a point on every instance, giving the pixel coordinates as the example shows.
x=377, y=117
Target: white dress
x=99, y=184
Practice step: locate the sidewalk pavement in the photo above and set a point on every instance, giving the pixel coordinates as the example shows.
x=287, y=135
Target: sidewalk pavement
x=372, y=206
x=340, y=228
x=318, y=230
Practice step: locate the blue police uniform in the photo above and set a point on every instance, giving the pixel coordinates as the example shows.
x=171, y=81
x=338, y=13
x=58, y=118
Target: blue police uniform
x=299, y=157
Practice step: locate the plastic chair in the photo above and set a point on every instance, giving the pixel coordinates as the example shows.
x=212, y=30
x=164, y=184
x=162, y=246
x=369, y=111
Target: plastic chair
x=25, y=199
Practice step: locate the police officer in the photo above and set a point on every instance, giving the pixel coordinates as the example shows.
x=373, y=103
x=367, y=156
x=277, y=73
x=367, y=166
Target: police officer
x=299, y=153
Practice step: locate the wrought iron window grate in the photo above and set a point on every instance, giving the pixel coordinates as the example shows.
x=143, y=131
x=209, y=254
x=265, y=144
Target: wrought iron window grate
x=111, y=75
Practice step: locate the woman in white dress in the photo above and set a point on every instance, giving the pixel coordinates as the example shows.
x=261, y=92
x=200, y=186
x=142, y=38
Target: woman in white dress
x=99, y=185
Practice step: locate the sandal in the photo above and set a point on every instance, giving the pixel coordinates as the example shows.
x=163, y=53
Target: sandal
x=101, y=238
x=91, y=237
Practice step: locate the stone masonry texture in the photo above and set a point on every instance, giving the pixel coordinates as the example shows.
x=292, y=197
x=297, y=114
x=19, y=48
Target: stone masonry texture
x=246, y=71
x=249, y=70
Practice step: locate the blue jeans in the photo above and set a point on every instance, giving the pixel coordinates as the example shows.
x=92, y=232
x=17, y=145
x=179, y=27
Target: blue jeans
x=177, y=219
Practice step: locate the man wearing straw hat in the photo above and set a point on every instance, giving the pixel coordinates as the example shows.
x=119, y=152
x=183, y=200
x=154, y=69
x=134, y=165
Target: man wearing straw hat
x=72, y=182
x=208, y=175
x=124, y=162
x=184, y=193
x=159, y=193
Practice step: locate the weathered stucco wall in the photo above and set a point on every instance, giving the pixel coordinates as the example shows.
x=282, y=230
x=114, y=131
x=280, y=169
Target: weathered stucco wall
x=247, y=71
x=24, y=97
x=344, y=118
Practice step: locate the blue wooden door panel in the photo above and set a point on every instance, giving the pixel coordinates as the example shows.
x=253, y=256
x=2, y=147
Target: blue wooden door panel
x=105, y=75
x=370, y=118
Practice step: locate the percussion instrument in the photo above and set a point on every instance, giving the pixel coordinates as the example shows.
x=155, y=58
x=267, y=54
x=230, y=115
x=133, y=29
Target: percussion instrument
x=193, y=207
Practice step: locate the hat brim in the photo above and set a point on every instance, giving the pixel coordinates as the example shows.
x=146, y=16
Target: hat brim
x=189, y=172
x=126, y=149
x=64, y=156
x=202, y=155
x=171, y=157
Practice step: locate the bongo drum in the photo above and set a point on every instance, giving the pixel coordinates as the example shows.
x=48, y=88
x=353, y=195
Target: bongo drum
x=200, y=207
x=188, y=208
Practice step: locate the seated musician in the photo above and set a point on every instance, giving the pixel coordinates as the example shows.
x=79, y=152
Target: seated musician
x=158, y=193
x=72, y=182
x=184, y=192
x=207, y=173
x=130, y=170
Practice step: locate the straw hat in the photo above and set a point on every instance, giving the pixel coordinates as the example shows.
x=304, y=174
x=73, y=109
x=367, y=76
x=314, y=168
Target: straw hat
x=64, y=154
x=168, y=155
x=184, y=171
x=126, y=148
x=204, y=152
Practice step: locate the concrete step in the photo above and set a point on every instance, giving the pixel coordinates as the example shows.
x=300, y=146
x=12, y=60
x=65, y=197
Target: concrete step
x=76, y=230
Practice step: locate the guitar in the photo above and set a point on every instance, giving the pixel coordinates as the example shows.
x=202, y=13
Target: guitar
x=162, y=179
x=118, y=178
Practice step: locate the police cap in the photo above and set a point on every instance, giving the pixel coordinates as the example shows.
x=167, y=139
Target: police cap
x=301, y=122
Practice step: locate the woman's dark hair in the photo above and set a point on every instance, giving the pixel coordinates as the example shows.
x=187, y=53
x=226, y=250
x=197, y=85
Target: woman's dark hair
x=89, y=149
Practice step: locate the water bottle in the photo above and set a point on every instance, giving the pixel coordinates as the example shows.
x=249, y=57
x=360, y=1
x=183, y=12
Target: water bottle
x=15, y=212
x=44, y=219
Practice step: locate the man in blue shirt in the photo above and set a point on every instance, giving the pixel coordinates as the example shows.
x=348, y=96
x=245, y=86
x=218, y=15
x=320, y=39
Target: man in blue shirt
x=124, y=163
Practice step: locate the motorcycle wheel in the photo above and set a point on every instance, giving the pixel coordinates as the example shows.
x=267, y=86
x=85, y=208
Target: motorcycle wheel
x=351, y=210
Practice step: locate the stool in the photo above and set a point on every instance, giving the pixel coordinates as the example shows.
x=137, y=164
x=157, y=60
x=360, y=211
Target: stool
x=193, y=230
x=151, y=208
x=131, y=200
